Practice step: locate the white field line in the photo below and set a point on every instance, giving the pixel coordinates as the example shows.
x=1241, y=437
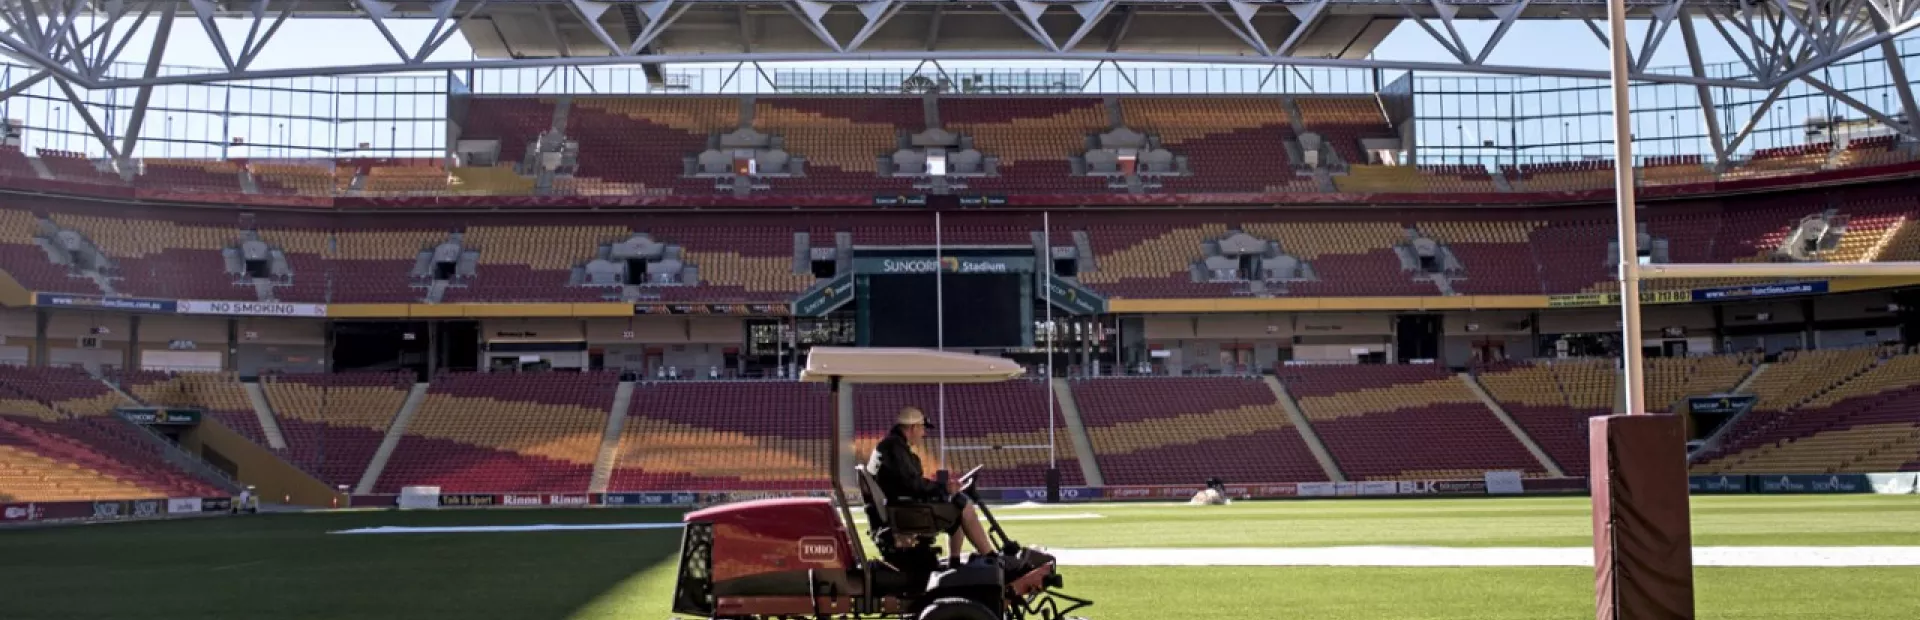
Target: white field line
x=495, y=529
x=1488, y=556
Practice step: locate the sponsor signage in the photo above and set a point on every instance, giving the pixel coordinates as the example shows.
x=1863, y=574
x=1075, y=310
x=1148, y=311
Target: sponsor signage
x=1586, y=300
x=216, y=504
x=1731, y=403
x=468, y=499
x=110, y=510
x=948, y=264
x=900, y=200
x=1763, y=290
x=1039, y=494
x=651, y=499
x=107, y=303
x=183, y=505
x=1814, y=483
x=148, y=508
x=1070, y=296
x=1379, y=487
x=1316, y=489
x=1460, y=486
x=566, y=500
x=159, y=416
x=983, y=201
x=520, y=500
x=713, y=309
x=21, y=512
x=825, y=298
x=1717, y=484
x=250, y=308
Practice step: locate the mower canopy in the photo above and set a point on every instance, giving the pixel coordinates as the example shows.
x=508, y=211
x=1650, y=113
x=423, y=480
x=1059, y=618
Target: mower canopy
x=900, y=365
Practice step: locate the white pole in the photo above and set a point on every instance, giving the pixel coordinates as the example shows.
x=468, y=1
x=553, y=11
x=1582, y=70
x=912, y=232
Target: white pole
x=1634, y=372
x=940, y=329
x=1046, y=257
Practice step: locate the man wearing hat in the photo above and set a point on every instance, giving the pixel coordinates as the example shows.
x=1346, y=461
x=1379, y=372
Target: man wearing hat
x=897, y=469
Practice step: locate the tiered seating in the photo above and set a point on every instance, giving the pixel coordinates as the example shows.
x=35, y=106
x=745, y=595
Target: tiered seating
x=1551, y=401
x=1403, y=422
x=589, y=186
x=1146, y=259
x=725, y=435
x=1674, y=170
x=406, y=180
x=840, y=138
x=514, y=121
x=1875, y=151
x=220, y=395
x=76, y=167
x=21, y=258
x=979, y=418
x=1350, y=258
x=498, y=180
x=377, y=265
x=1343, y=121
x=1670, y=379
x=1563, y=176
x=1163, y=430
x=15, y=165
x=1783, y=388
x=191, y=175
x=63, y=418
x=1493, y=252
x=334, y=423
x=300, y=179
x=1458, y=178
x=1782, y=161
x=1870, y=422
x=1033, y=138
x=532, y=263
x=504, y=432
x=737, y=261
x=643, y=139
x=1364, y=179
x=173, y=258
x=1233, y=144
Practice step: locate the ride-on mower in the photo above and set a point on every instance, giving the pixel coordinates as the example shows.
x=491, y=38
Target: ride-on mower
x=797, y=557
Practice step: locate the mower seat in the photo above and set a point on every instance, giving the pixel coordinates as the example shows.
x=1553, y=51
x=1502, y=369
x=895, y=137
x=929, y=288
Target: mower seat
x=914, y=520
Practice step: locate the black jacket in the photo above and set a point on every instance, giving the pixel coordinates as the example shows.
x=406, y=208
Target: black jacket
x=897, y=469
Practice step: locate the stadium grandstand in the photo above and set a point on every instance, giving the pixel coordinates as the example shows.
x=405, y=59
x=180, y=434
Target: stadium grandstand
x=586, y=260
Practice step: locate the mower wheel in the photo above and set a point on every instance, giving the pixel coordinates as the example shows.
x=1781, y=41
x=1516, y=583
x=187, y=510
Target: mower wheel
x=958, y=609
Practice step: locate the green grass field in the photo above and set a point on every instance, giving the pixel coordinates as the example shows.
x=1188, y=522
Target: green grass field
x=286, y=566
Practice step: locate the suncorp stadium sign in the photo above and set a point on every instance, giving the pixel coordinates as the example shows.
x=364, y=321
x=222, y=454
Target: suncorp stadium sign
x=949, y=264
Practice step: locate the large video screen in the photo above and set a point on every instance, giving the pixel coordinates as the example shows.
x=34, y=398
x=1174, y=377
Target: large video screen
x=982, y=310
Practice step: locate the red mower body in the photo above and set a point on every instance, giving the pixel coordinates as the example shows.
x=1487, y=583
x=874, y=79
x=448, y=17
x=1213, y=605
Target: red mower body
x=769, y=557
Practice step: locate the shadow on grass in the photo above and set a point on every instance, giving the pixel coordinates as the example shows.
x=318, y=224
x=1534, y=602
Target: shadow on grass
x=288, y=566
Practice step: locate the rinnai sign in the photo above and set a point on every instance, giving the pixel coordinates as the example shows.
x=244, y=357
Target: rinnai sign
x=252, y=308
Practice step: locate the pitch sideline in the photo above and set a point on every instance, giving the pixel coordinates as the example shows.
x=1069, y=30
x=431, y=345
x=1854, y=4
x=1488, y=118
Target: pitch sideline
x=1395, y=556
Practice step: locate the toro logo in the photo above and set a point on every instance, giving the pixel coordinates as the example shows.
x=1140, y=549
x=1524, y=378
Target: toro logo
x=819, y=550
x=567, y=500
x=520, y=500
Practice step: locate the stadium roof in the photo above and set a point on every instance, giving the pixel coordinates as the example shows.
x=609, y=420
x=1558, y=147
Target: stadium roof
x=1778, y=41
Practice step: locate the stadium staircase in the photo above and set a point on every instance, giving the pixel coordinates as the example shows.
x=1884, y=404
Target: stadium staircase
x=1473, y=385
x=169, y=450
x=392, y=440
x=269, y=427
x=1082, y=445
x=610, y=441
x=1299, y=420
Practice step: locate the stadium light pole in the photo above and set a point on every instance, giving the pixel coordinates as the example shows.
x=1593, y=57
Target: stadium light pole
x=940, y=330
x=1046, y=258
